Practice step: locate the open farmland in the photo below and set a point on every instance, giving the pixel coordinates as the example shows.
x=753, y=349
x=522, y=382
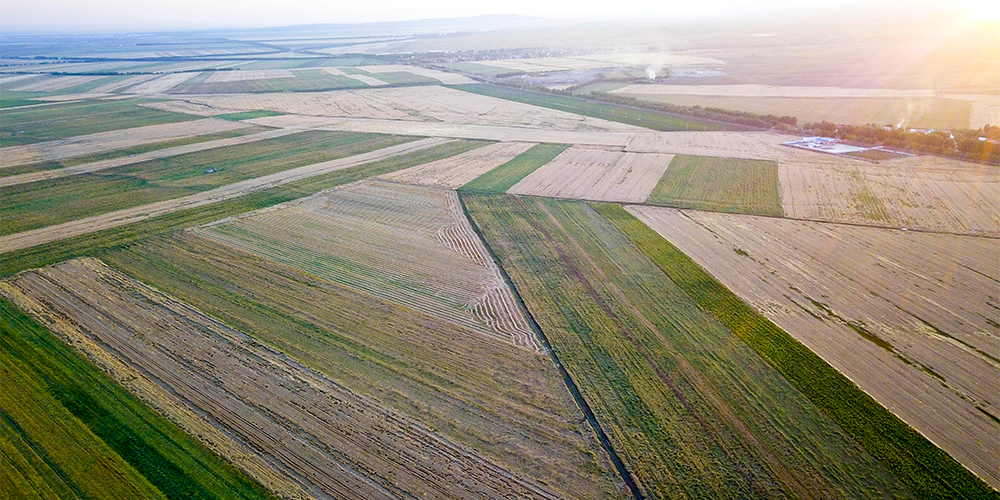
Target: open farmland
x=907, y=316
x=927, y=470
x=109, y=141
x=160, y=84
x=70, y=431
x=689, y=407
x=31, y=125
x=301, y=80
x=406, y=244
x=504, y=402
x=259, y=395
x=239, y=76
x=429, y=103
x=720, y=184
x=364, y=78
x=596, y=61
x=595, y=174
x=31, y=206
x=441, y=76
x=502, y=178
x=94, y=163
x=454, y=172
x=50, y=83
x=923, y=192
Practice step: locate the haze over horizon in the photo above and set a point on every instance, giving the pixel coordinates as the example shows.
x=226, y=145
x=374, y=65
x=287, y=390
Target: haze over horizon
x=118, y=15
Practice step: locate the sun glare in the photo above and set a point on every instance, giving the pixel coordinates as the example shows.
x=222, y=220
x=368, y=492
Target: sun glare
x=984, y=10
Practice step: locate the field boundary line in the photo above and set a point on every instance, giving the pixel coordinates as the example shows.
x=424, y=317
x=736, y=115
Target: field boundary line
x=87, y=225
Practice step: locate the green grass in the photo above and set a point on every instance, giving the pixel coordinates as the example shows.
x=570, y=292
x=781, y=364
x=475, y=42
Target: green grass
x=732, y=185
x=501, y=179
x=614, y=112
x=26, y=126
x=248, y=115
x=923, y=467
x=691, y=410
x=10, y=99
x=96, y=243
x=43, y=203
x=133, y=150
x=69, y=431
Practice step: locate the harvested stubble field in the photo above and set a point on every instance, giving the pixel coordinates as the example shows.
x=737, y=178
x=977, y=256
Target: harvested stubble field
x=923, y=192
x=70, y=431
x=406, y=244
x=31, y=125
x=454, y=172
x=441, y=76
x=429, y=103
x=329, y=439
x=325, y=171
x=753, y=145
x=109, y=141
x=733, y=185
x=239, y=76
x=923, y=467
x=692, y=410
x=596, y=174
x=364, y=78
x=50, y=83
x=98, y=234
x=504, y=404
x=907, y=316
x=502, y=178
x=596, y=61
x=55, y=201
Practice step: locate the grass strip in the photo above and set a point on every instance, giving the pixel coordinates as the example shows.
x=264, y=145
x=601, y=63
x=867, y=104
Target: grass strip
x=656, y=120
x=927, y=470
x=99, y=241
x=502, y=178
x=82, y=404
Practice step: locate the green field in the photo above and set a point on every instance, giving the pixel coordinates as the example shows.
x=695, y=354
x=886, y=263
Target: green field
x=614, y=112
x=10, y=99
x=501, y=179
x=322, y=62
x=43, y=203
x=310, y=80
x=924, y=468
x=690, y=408
x=248, y=115
x=133, y=150
x=26, y=126
x=96, y=243
x=69, y=431
x=732, y=185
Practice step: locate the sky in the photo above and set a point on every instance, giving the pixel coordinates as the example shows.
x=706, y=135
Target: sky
x=131, y=15
x=150, y=15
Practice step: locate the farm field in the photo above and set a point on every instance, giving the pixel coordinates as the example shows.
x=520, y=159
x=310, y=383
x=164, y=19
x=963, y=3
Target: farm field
x=682, y=397
x=260, y=396
x=597, y=61
x=428, y=103
x=109, y=141
x=441, y=76
x=455, y=172
x=99, y=234
x=923, y=192
x=606, y=111
x=30, y=206
x=32, y=125
x=357, y=74
x=69, y=430
x=505, y=176
x=928, y=113
x=409, y=245
x=300, y=80
x=904, y=315
x=595, y=174
x=719, y=184
x=504, y=403
x=160, y=84
x=81, y=226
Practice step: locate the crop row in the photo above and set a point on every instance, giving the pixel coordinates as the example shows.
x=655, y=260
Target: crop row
x=733, y=185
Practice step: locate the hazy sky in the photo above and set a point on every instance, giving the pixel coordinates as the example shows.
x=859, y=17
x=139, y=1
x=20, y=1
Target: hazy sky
x=132, y=15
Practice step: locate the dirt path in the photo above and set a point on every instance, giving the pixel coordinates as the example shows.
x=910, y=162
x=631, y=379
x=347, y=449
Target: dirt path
x=86, y=168
x=121, y=217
